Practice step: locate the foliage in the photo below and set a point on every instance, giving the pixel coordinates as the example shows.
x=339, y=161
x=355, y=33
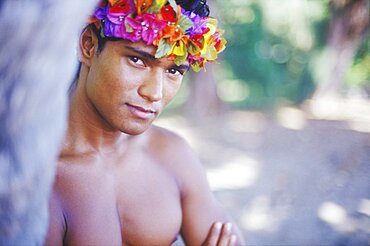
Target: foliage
x=267, y=61
x=272, y=50
x=359, y=73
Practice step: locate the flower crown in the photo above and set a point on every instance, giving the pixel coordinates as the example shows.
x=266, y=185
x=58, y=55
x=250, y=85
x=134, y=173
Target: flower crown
x=181, y=30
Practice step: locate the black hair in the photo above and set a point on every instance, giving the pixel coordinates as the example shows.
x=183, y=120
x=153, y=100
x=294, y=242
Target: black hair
x=101, y=41
x=101, y=44
x=199, y=7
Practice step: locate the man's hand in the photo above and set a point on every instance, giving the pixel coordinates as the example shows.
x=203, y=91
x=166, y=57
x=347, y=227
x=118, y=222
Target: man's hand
x=220, y=234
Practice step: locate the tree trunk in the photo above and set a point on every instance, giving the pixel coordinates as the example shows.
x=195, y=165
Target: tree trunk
x=37, y=62
x=203, y=104
x=347, y=27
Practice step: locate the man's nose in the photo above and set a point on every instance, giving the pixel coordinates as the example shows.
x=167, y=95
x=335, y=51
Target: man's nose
x=152, y=88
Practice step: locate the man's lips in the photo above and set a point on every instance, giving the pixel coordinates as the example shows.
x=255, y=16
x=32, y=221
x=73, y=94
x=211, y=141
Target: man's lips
x=141, y=112
x=145, y=110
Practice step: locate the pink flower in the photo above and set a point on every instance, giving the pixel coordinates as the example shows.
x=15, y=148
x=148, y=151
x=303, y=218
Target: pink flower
x=145, y=27
x=135, y=35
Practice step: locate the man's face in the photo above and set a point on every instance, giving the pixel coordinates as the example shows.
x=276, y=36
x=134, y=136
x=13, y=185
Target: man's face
x=129, y=88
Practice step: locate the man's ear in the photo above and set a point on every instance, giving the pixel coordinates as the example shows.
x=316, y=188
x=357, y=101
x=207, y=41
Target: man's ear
x=88, y=45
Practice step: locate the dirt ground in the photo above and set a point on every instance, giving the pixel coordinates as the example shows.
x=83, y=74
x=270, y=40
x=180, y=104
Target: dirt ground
x=300, y=177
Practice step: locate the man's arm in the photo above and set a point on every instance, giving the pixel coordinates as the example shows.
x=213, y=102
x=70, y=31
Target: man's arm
x=56, y=229
x=204, y=219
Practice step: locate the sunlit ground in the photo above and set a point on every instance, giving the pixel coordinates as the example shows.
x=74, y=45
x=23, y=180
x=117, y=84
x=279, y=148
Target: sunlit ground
x=301, y=177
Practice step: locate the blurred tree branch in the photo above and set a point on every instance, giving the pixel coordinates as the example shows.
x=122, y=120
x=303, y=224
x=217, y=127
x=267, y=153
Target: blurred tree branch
x=37, y=62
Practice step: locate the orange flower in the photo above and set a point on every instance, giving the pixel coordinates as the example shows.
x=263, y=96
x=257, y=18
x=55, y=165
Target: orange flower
x=172, y=32
x=92, y=19
x=143, y=5
x=171, y=57
x=113, y=2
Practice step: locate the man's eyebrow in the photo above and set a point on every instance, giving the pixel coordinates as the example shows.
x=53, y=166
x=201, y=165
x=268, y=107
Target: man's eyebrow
x=183, y=67
x=142, y=52
x=152, y=57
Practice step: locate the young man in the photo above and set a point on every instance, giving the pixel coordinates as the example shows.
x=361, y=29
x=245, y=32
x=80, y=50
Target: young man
x=120, y=180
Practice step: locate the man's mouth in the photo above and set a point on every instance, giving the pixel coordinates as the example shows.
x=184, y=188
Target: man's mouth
x=141, y=112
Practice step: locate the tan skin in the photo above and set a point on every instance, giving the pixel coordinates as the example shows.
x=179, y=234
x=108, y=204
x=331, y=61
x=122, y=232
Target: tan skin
x=120, y=180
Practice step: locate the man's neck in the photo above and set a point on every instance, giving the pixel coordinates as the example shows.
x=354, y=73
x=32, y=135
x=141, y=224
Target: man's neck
x=87, y=131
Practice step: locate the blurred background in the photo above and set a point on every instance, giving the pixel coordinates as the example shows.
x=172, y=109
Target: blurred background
x=282, y=121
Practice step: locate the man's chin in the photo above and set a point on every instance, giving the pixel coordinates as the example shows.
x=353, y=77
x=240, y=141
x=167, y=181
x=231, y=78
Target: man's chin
x=136, y=130
x=133, y=133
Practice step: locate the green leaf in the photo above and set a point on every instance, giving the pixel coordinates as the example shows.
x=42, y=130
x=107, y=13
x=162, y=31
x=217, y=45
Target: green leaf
x=212, y=21
x=173, y=5
x=195, y=66
x=102, y=30
x=156, y=6
x=180, y=59
x=223, y=41
x=185, y=23
x=128, y=28
x=193, y=48
x=163, y=48
x=223, y=44
x=211, y=53
x=220, y=32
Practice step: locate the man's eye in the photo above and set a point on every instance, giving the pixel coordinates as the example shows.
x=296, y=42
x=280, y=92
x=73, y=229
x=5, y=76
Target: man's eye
x=174, y=71
x=136, y=60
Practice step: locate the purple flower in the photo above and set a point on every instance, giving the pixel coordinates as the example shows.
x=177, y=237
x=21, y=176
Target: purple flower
x=115, y=14
x=100, y=13
x=199, y=23
x=112, y=24
x=112, y=30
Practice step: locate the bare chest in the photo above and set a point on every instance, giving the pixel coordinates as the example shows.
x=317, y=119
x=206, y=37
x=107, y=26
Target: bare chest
x=139, y=205
x=149, y=206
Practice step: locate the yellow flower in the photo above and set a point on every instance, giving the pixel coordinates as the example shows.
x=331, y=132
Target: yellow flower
x=207, y=36
x=177, y=49
x=161, y=2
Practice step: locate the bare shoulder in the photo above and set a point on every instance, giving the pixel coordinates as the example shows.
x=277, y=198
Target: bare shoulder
x=169, y=145
x=175, y=152
x=164, y=136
